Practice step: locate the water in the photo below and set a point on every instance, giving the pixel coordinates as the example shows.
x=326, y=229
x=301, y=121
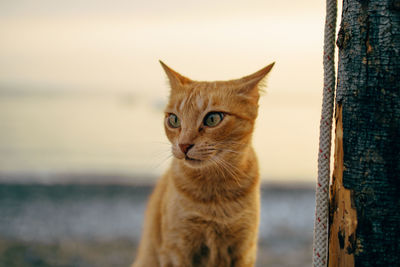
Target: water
x=47, y=132
x=81, y=132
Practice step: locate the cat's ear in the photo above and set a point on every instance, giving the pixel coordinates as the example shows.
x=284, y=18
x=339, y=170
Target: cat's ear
x=175, y=79
x=249, y=85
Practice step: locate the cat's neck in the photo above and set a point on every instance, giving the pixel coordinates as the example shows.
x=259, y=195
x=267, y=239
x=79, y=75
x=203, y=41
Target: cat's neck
x=217, y=183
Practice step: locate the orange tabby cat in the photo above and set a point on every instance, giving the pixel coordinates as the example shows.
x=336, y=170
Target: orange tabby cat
x=205, y=209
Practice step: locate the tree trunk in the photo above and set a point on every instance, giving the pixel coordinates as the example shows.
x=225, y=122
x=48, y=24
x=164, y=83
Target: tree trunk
x=365, y=202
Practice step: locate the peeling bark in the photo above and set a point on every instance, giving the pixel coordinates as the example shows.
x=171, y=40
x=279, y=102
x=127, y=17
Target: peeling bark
x=368, y=99
x=343, y=215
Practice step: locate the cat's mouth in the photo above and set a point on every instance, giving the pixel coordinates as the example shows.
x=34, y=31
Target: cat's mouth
x=191, y=159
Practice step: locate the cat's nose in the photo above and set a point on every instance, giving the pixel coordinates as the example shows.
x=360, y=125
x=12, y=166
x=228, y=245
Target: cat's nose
x=185, y=147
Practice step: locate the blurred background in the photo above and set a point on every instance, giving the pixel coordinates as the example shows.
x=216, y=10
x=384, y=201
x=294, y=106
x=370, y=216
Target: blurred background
x=81, y=118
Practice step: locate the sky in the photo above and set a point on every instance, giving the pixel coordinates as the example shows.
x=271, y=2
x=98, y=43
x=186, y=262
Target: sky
x=113, y=47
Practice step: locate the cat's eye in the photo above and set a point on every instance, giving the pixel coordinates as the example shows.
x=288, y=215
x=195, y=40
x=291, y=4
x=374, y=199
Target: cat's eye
x=173, y=121
x=213, y=119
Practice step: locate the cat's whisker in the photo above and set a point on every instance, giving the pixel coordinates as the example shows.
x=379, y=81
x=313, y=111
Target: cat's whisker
x=161, y=143
x=230, y=151
x=221, y=169
x=227, y=168
x=161, y=153
x=239, y=171
x=206, y=149
x=160, y=157
x=161, y=162
x=233, y=169
x=213, y=149
x=232, y=143
x=204, y=152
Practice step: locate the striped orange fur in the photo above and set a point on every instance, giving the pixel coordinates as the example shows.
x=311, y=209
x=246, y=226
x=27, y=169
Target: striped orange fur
x=204, y=211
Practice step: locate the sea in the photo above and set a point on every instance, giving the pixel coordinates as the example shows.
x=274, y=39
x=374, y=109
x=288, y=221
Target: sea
x=77, y=168
x=45, y=132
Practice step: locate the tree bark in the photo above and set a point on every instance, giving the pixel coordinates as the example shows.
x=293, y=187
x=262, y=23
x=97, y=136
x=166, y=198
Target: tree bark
x=365, y=202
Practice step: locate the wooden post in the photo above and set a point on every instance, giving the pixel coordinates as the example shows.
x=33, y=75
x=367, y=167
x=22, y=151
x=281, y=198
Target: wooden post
x=365, y=192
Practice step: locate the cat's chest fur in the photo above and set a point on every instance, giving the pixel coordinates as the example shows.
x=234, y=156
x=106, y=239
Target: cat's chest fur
x=216, y=211
x=213, y=232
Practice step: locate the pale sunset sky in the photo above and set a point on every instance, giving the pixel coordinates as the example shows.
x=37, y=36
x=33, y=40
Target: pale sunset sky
x=98, y=50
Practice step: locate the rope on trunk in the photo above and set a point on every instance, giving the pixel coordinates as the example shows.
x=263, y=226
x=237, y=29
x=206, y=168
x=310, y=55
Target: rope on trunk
x=320, y=243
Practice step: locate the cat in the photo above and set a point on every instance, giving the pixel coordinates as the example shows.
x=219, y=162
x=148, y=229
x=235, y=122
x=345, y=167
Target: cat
x=204, y=211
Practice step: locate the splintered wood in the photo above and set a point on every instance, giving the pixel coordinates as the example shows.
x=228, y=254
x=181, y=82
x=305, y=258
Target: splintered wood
x=343, y=215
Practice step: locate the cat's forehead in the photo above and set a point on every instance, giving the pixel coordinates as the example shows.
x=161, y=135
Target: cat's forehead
x=196, y=97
